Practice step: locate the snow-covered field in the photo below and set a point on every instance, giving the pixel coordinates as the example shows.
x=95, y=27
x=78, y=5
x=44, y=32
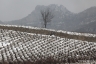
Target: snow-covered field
x=66, y=32
x=16, y=46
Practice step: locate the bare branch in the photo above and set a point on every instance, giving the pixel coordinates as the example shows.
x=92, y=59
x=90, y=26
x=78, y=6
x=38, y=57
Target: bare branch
x=47, y=16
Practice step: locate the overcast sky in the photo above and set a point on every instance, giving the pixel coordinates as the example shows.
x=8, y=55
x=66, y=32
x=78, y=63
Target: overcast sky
x=17, y=9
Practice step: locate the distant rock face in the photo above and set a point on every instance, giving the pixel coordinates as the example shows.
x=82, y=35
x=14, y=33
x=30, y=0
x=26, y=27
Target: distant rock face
x=88, y=28
x=63, y=19
x=88, y=21
x=60, y=20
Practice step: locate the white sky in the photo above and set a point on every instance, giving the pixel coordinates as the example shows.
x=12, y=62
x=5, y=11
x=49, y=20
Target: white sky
x=17, y=9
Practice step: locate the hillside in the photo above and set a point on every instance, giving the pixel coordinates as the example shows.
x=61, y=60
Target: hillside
x=63, y=18
x=88, y=28
x=88, y=20
x=32, y=47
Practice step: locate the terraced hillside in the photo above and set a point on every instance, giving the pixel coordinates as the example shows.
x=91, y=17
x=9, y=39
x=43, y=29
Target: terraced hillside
x=18, y=47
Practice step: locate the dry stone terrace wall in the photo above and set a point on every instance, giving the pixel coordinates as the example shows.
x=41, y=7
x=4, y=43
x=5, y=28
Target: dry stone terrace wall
x=47, y=32
x=28, y=48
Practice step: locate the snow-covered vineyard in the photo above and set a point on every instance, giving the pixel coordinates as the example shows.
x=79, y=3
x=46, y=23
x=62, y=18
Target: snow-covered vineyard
x=29, y=48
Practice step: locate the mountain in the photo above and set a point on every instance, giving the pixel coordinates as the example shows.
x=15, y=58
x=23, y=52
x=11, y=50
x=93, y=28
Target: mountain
x=63, y=19
x=88, y=21
x=88, y=28
x=60, y=21
x=87, y=16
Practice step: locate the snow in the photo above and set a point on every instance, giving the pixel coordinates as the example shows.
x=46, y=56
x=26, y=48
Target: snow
x=19, y=45
x=61, y=31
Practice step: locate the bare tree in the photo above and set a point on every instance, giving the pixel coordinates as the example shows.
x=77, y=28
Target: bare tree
x=47, y=16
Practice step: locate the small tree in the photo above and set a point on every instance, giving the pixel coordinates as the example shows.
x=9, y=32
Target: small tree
x=47, y=16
